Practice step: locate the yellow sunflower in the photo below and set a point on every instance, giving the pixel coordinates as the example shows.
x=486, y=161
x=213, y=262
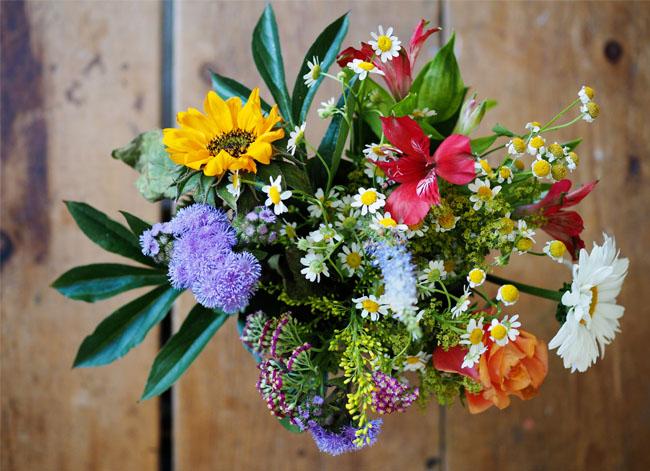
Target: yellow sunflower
x=226, y=137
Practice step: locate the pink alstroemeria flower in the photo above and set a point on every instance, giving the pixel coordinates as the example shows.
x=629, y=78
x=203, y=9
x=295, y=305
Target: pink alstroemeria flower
x=398, y=72
x=417, y=171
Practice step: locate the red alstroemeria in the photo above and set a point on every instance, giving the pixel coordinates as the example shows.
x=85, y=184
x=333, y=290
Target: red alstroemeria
x=565, y=226
x=398, y=72
x=417, y=171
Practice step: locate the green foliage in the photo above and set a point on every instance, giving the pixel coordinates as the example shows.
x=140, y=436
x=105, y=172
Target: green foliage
x=406, y=106
x=228, y=88
x=182, y=348
x=445, y=387
x=137, y=225
x=482, y=144
x=292, y=175
x=146, y=154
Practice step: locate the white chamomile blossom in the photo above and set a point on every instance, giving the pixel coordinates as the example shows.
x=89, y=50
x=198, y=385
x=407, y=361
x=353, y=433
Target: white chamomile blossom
x=446, y=222
x=524, y=231
x=555, y=152
x=351, y=257
x=482, y=167
x=423, y=113
x=416, y=362
x=476, y=277
x=349, y=221
x=296, y=137
x=433, y=272
x=325, y=233
x=289, y=229
x=315, y=266
x=378, y=152
x=373, y=172
x=516, y=146
x=586, y=94
x=234, y=187
x=508, y=294
x=417, y=230
x=590, y=111
x=276, y=196
x=385, y=45
x=371, y=307
x=534, y=126
x=572, y=161
x=504, y=174
x=313, y=75
x=327, y=108
x=473, y=336
x=507, y=228
x=332, y=201
x=384, y=222
x=537, y=146
x=369, y=200
x=363, y=68
x=541, y=168
x=483, y=192
x=472, y=357
x=593, y=316
x=462, y=305
x=505, y=330
x=555, y=249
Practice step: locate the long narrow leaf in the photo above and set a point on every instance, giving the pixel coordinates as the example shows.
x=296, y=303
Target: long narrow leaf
x=125, y=328
x=137, y=225
x=325, y=48
x=227, y=88
x=102, y=280
x=268, y=59
x=181, y=350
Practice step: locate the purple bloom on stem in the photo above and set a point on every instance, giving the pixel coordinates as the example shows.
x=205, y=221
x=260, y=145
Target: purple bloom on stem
x=267, y=215
x=200, y=215
x=343, y=441
x=391, y=395
x=149, y=243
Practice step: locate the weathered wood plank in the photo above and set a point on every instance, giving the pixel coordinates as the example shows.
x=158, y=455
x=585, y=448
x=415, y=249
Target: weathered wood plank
x=221, y=423
x=78, y=79
x=533, y=57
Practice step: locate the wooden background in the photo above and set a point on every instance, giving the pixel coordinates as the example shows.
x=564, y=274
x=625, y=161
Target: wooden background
x=80, y=78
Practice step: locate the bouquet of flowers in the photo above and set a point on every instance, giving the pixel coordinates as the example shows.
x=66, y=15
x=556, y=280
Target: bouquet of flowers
x=354, y=266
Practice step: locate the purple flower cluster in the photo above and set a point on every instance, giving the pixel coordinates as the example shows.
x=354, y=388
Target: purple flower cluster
x=391, y=395
x=342, y=441
x=258, y=226
x=399, y=277
x=152, y=240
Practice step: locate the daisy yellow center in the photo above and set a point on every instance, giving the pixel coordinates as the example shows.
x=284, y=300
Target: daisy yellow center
x=505, y=172
x=476, y=336
x=485, y=166
x=384, y=43
x=315, y=72
x=519, y=164
x=519, y=144
x=593, y=109
x=416, y=227
x=498, y=331
x=353, y=260
x=536, y=142
x=509, y=293
x=556, y=150
x=541, y=168
x=368, y=197
x=377, y=150
x=589, y=92
x=574, y=157
x=559, y=171
x=447, y=221
x=594, y=301
x=234, y=142
x=557, y=249
x=388, y=222
x=370, y=305
x=291, y=232
x=367, y=66
x=274, y=194
x=413, y=360
x=476, y=276
x=536, y=124
x=484, y=192
x=449, y=266
x=525, y=244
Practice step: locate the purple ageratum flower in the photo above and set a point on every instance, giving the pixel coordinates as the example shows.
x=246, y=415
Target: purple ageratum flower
x=267, y=215
x=390, y=394
x=149, y=243
x=161, y=228
x=343, y=441
x=200, y=215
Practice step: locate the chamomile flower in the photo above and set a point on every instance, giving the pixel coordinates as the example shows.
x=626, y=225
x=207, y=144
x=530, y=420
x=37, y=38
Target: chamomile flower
x=324, y=234
x=476, y=277
x=523, y=245
x=296, y=137
x=537, y=146
x=416, y=362
x=332, y=201
x=386, y=222
x=483, y=192
x=385, y=45
x=524, y=231
x=541, y=168
x=327, y=108
x=516, y=146
x=483, y=168
x=363, y=68
x=371, y=307
x=534, y=126
x=417, y=230
x=462, y=305
x=593, y=315
x=234, y=187
x=423, y=113
x=504, y=330
x=508, y=294
x=378, y=152
x=472, y=357
x=276, y=196
x=555, y=249
x=590, y=111
x=315, y=266
x=473, y=336
x=351, y=258
x=507, y=228
x=369, y=200
x=446, y=222
x=572, y=160
x=433, y=272
x=504, y=174
x=374, y=172
x=289, y=229
x=555, y=151
x=349, y=221
x=313, y=75
x=586, y=94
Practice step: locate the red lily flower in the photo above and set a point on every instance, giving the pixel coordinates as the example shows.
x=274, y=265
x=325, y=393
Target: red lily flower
x=417, y=171
x=565, y=226
x=398, y=72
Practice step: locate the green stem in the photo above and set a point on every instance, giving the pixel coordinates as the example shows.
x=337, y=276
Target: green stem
x=561, y=126
x=534, y=290
x=558, y=116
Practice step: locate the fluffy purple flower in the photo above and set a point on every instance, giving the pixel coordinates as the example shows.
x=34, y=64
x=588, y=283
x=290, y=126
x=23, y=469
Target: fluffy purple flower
x=161, y=228
x=149, y=243
x=343, y=441
x=200, y=215
x=267, y=215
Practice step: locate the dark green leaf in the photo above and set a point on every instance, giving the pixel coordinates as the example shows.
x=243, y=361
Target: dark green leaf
x=481, y=144
x=406, y=106
x=325, y=48
x=268, y=59
x=292, y=175
x=102, y=280
x=440, y=86
x=226, y=196
x=146, y=153
x=289, y=426
x=137, y=225
x=182, y=348
x=107, y=233
x=431, y=131
x=572, y=144
x=227, y=88
x=502, y=131
x=125, y=328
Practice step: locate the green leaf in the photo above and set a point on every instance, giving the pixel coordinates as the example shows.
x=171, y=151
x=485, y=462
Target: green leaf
x=292, y=175
x=228, y=88
x=268, y=59
x=502, y=131
x=125, y=328
x=289, y=426
x=146, y=153
x=439, y=86
x=226, y=196
x=481, y=144
x=103, y=280
x=182, y=348
x=406, y=105
x=572, y=144
x=105, y=232
x=430, y=131
x=325, y=48
x=381, y=100
x=137, y=225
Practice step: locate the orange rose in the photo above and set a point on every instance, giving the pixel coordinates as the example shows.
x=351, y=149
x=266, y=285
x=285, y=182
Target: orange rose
x=518, y=368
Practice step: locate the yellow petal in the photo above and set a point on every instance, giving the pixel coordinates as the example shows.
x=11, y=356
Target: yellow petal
x=260, y=151
x=271, y=136
x=251, y=113
x=218, y=111
x=194, y=119
x=234, y=105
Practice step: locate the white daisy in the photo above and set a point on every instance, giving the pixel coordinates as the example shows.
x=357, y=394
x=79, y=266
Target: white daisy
x=473, y=337
x=351, y=258
x=417, y=230
x=433, y=272
x=276, y=196
x=476, y=277
x=504, y=174
x=507, y=228
x=385, y=45
x=446, y=222
x=505, y=330
x=534, y=126
x=416, y=362
x=234, y=187
x=373, y=172
x=516, y=146
x=325, y=233
x=296, y=137
x=327, y=108
x=423, y=113
x=508, y=294
x=482, y=167
x=378, y=152
x=524, y=230
x=289, y=229
x=315, y=266
x=385, y=222
x=348, y=222
x=555, y=249
x=483, y=192
x=537, y=146
x=371, y=307
x=586, y=94
x=472, y=357
x=590, y=111
x=593, y=316
x=313, y=75
x=541, y=168
x=369, y=200
x=462, y=305
x=316, y=210
x=363, y=68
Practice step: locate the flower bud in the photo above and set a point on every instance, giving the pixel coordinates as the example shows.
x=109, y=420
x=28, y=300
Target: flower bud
x=471, y=115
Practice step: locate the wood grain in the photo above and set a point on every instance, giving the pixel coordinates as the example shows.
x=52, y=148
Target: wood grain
x=78, y=80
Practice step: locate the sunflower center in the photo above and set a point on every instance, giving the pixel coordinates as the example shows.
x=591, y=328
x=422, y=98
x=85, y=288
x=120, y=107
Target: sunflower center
x=353, y=260
x=384, y=43
x=370, y=305
x=234, y=142
x=594, y=300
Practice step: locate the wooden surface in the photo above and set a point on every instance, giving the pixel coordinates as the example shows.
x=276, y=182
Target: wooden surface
x=84, y=77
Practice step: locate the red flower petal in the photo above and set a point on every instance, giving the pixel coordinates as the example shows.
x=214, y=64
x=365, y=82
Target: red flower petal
x=418, y=38
x=405, y=134
x=406, y=206
x=574, y=197
x=454, y=161
x=405, y=169
x=451, y=360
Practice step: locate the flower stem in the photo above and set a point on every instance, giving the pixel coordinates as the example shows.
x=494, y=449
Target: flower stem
x=534, y=290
